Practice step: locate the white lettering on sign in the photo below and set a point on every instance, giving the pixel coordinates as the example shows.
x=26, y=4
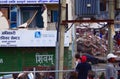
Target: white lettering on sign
x=1, y=61
x=44, y=58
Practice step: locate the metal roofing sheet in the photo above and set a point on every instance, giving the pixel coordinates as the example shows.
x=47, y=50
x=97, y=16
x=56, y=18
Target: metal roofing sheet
x=87, y=7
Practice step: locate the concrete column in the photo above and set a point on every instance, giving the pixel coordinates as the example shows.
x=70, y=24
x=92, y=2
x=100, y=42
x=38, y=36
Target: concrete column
x=111, y=11
x=62, y=32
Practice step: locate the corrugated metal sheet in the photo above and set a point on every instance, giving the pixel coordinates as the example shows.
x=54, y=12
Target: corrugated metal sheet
x=87, y=7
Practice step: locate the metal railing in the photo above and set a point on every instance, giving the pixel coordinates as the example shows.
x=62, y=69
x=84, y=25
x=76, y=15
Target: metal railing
x=50, y=74
x=47, y=74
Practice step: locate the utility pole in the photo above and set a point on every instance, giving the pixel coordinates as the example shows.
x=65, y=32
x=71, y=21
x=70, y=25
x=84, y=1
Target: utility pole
x=60, y=39
x=111, y=11
x=74, y=43
x=62, y=33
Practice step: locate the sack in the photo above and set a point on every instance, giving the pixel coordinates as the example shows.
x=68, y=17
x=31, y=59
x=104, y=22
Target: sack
x=91, y=73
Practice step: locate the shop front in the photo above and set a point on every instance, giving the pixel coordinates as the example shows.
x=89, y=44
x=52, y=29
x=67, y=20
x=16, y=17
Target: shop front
x=27, y=49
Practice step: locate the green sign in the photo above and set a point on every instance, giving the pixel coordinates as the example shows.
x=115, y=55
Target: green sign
x=16, y=59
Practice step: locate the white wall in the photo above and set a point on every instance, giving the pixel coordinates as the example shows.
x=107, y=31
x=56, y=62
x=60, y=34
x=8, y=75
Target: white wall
x=45, y=19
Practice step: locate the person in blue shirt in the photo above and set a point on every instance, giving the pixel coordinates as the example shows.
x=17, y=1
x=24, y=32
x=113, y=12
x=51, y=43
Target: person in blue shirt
x=83, y=68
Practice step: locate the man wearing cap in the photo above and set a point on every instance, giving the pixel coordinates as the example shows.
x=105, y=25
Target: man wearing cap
x=83, y=68
x=111, y=72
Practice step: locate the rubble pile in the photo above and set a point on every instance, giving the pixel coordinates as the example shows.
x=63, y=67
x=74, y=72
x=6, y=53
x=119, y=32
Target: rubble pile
x=94, y=41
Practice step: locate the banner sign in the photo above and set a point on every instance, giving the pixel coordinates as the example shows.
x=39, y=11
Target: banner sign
x=20, y=58
x=16, y=61
x=30, y=38
x=27, y=1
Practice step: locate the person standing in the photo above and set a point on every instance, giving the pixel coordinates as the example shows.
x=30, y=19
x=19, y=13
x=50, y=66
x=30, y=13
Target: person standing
x=78, y=60
x=83, y=68
x=74, y=74
x=111, y=72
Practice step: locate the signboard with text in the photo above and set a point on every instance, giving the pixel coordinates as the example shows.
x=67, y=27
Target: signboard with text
x=30, y=38
x=17, y=59
x=12, y=61
x=27, y=1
